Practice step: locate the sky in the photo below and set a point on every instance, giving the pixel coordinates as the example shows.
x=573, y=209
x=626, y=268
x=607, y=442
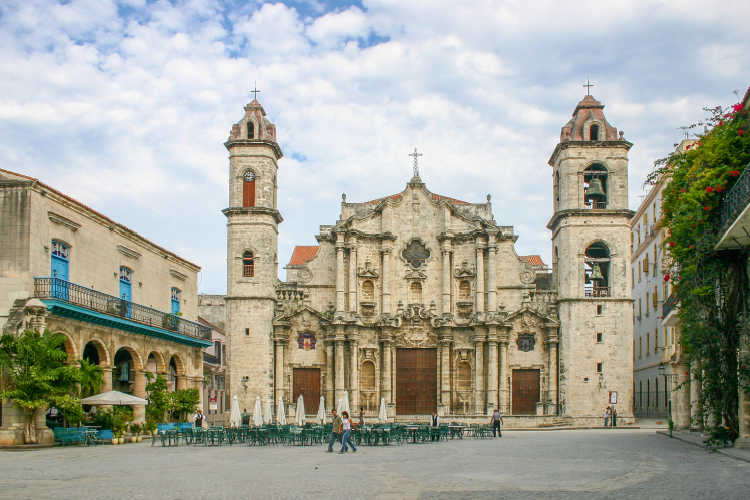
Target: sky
x=125, y=105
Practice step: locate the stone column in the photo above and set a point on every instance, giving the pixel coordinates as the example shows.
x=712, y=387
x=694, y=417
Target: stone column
x=181, y=382
x=353, y=276
x=354, y=376
x=330, y=402
x=492, y=278
x=106, y=378
x=491, y=370
x=680, y=396
x=139, y=390
x=386, y=293
x=446, y=277
x=504, y=392
x=278, y=376
x=445, y=374
x=480, y=279
x=340, y=273
x=339, y=367
x=478, y=368
x=552, y=364
x=386, y=391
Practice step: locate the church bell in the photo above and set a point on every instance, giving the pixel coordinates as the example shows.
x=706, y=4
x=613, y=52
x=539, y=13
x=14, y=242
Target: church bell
x=595, y=189
x=596, y=274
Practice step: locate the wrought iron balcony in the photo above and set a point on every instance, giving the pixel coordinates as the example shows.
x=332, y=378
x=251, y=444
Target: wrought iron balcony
x=599, y=205
x=669, y=305
x=72, y=293
x=736, y=199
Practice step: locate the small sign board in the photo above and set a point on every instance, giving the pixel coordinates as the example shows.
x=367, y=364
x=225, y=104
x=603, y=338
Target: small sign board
x=213, y=406
x=613, y=397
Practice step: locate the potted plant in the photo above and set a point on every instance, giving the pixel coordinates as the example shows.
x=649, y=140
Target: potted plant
x=135, y=430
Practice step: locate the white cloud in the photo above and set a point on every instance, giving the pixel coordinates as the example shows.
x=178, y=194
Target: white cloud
x=129, y=114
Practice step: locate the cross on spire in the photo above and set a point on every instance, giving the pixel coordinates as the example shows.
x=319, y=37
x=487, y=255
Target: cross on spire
x=416, y=156
x=255, y=90
x=588, y=86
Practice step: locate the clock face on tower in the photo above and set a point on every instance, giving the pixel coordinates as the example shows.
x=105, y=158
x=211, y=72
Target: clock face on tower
x=415, y=253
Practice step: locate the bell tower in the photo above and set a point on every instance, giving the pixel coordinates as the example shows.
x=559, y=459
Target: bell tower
x=252, y=243
x=591, y=251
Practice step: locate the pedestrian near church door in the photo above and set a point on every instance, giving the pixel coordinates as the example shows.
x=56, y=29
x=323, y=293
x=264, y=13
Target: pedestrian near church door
x=525, y=391
x=306, y=381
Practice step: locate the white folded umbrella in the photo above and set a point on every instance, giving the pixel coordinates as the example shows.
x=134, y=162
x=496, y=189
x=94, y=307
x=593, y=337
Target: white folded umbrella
x=235, y=418
x=268, y=413
x=281, y=413
x=257, y=413
x=346, y=403
x=322, y=411
x=299, y=417
x=382, y=415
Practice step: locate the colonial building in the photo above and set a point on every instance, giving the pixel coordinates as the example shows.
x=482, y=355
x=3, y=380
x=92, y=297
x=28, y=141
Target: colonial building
x=121, y=301
x=216, y=404
x=422, y=301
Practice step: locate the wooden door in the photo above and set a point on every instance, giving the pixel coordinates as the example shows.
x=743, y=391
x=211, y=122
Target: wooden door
x=416, y=381
x=525, y=391
x=307, y=383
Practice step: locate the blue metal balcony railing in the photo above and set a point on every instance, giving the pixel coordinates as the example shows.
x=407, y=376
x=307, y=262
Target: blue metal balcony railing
x=736, y=199
x=72, y=293
x=668, y=306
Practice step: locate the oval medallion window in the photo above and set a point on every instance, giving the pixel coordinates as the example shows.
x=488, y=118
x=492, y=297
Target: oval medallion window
x=415, y=253
x=526, y=342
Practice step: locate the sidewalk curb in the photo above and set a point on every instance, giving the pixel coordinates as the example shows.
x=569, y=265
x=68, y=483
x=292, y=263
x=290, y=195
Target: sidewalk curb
x=723, y=451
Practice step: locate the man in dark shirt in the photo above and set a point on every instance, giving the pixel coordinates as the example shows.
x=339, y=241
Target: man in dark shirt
x=338, y=429
x=496, y=421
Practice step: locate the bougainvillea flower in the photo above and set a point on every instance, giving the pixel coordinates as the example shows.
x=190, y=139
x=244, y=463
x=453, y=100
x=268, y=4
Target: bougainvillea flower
x=682, y=190
x=734, y=173
x=740, y=132
x=671, y=243
x=719, y=189
x=706, y=208
x=666, y=277
x=691, y=246
x=737, y=107
x=709, y=189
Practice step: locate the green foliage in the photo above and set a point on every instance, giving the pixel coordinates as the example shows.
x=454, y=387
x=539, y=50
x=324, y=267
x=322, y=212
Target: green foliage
x=103, y=418
x=121, y=416
x=184, y=402
x=711, y=287
x=90, y=377
x=159, y=400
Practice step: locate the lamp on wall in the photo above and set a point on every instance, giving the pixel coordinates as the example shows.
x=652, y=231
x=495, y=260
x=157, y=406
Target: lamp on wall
x=244, y=381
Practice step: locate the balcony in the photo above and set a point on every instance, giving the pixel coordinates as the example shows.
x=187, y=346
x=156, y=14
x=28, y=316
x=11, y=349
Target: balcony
x=669, y=311
x=598, y=205
x=72, y=300
x=735, y=215
x=599, y=291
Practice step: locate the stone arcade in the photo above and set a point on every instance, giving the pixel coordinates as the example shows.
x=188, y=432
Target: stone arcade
x=422, y=300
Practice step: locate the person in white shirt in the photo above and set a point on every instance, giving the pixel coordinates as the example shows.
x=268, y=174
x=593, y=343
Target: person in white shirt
x=347, y=424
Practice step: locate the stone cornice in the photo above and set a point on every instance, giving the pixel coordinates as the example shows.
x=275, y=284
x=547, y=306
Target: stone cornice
x=254, y=211
x=588, y=212
x=587, y=144
x=64, y=221
x=255, y=142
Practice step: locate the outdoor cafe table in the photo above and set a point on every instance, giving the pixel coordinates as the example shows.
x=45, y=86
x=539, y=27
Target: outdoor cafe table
x=412, y=430
x=456, y=430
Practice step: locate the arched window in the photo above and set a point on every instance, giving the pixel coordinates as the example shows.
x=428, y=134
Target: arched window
x=464, y=290
x=416, y=293
x=368, y=394
x=368, y=290
x=248, y=189
x=250, y=130
x=594, y=132
x=595, y=186
x=248, y=264
x=596, y=266
x=172, y=376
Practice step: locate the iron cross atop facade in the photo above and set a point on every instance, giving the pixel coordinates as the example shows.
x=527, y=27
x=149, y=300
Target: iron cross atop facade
x=255, y=91
x=588, y=86
x=416, y=156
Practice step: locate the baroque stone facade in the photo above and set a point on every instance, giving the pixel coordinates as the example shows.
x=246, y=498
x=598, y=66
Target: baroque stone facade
x=421, y=302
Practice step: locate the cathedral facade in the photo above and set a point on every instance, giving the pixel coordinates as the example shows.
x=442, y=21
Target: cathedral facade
x=420, y=302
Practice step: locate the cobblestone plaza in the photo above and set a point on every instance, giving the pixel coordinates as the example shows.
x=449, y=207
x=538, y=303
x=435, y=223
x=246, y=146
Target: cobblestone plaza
x=622, y=463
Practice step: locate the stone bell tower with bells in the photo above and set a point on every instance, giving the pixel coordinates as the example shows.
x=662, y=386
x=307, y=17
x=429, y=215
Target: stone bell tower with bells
x=591, y=256
x=252, y=241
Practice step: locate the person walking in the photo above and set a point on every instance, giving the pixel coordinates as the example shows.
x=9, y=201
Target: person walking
x=245, y=417
x=614, y=417
x=497, y=421
x=361, y=416
x=347, y=425
x=607, y=413
x=335, y=431
x=434, y=427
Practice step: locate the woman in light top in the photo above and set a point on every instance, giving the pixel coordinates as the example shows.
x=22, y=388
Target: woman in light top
x=347, y=432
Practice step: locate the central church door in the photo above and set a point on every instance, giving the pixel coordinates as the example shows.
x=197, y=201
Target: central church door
x=307, y=383
x=525, y=391
x=416, y=381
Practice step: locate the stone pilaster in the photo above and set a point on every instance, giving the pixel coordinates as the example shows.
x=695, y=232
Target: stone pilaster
x=329, y=394
x=339, y=366
x=280, y=342
x=445, y=373
x=340, y=275
x=385, y=385
x=491, y=370
x=353, y=275
x=480, y=291
x=446, y=281
x=552, y=364
x=386, y=292
x=139, y=390
x=478, y=375
x=354, y=375
x=504, y=399
x=106, y=378
x=492, y=277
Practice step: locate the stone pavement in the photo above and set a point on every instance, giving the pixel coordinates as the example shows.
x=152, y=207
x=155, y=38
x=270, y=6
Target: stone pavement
x=698, y=438
x=589, y=464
